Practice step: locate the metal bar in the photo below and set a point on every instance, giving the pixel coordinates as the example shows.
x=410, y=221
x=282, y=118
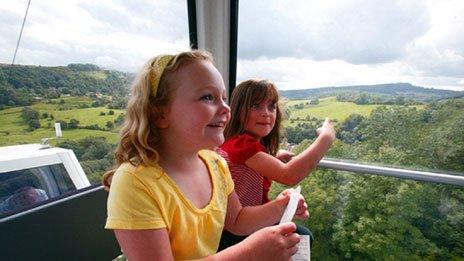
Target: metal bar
x=393, y=172
x=192, y=19
x=233, y=36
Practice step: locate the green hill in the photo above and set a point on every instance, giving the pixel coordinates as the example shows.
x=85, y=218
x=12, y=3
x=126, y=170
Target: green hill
x=24, y=84
x=384, y=93
x=14, y=131
x=327, y=107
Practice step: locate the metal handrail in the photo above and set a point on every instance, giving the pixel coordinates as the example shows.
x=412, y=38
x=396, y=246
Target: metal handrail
x=392, y=172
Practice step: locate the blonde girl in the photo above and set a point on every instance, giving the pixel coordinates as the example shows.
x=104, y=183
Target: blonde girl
x=170, y=197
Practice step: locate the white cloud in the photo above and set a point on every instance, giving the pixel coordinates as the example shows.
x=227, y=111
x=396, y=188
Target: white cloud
x=440, y=52
x=357, y=31
x=84, y=31
x=292, y=73
x=298, y=43
x=308, y=44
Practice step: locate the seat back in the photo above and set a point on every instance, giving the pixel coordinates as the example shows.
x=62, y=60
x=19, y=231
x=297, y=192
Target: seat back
x=71, y=228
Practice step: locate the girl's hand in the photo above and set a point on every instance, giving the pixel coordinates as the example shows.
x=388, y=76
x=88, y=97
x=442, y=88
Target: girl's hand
x=302, y=212
x=327, y=129
x=272, y=243
x=284, y=156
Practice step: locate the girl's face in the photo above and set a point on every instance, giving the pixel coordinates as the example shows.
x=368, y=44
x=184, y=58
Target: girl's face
x=197, y=113
x=261, y=118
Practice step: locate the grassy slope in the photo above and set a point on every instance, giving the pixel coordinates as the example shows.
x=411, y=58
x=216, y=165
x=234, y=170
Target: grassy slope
x=11, y=122
x=330, y=107
x=13, y=130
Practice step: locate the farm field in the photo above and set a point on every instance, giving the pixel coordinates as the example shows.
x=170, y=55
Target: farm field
x=329, y=107
x=14, y=131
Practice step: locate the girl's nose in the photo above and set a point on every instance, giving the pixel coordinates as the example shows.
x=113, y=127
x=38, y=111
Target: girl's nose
x=224, y=107
x=265, y=113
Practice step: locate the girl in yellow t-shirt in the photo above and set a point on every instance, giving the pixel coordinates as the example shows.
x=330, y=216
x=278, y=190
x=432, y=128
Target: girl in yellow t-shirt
x=170, y=196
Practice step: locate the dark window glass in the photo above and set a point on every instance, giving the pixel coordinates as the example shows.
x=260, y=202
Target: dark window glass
x=23, y=189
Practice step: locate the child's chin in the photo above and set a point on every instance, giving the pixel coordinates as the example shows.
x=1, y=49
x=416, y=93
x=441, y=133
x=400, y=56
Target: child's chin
x=218, y=141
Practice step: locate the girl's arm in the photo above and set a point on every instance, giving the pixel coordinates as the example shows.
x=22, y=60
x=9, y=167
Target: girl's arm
x=246, y=220
x=271, y=243
x=300, y=166
x=149, y=244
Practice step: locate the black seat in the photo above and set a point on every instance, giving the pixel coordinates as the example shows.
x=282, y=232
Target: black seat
x=68, y=229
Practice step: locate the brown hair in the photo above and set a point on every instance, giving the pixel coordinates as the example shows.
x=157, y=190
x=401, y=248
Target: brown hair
x=244, y=96
x=139, y=136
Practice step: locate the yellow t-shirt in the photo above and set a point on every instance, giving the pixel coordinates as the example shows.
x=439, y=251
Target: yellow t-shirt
x=147, y=198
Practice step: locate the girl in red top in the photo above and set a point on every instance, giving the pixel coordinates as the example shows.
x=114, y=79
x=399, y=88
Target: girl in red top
x=251, y=147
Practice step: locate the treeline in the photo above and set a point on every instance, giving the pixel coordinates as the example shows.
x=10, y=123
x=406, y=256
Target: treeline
x=22, y=85
x=32, y=118
x=369, y=98
x=386, y=91
x=94, y=153
x=367, y=217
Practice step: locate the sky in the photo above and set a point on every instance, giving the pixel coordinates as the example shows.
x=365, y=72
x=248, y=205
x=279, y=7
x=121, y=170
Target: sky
x=298, y=44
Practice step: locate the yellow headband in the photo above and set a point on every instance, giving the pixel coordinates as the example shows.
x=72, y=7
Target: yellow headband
x=157, y=70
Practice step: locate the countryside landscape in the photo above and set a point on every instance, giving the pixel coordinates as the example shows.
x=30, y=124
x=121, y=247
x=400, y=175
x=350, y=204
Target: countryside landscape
x=353, y=216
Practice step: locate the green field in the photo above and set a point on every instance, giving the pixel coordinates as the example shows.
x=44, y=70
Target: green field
x=331, y=108
x=14, y=131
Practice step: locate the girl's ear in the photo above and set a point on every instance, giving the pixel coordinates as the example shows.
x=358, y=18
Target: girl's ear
x=161, y=120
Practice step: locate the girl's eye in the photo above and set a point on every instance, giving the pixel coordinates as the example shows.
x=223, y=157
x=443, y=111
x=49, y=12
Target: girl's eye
x=273, y=106
x=255, y=106
x=207, y=97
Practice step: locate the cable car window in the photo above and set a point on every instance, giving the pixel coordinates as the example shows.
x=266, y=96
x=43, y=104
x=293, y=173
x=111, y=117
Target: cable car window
x=387, y=73
x=73, y=65
x=26, y=188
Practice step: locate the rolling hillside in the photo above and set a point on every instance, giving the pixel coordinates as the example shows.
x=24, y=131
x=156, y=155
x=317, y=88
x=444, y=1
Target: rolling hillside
x=328, y=107
x=14, y=131
x=387, y=91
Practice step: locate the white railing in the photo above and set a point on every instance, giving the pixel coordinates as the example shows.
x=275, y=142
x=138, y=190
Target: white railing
x=392, y=172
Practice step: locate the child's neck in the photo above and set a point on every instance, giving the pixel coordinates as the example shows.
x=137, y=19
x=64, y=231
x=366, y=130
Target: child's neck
x=253, y=135
x=189, y=173
x=177, y=158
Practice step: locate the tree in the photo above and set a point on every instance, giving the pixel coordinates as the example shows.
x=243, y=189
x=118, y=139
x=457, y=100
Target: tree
x=31, y=118
x=73, y=124
x=348, y=131
x=109, y=125
x=119, y=120
x=33, y=124
x=362, y=99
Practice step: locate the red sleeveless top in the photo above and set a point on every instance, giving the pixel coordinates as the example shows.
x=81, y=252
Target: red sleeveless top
x=251, y=188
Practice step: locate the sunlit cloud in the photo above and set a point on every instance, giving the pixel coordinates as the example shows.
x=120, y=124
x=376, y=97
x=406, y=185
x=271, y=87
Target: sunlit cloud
x=105, y=33
x=297, y=44
x=351, y=42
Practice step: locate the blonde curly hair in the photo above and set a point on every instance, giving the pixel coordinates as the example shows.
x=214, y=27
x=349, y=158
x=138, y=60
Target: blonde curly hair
x=139, y=137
